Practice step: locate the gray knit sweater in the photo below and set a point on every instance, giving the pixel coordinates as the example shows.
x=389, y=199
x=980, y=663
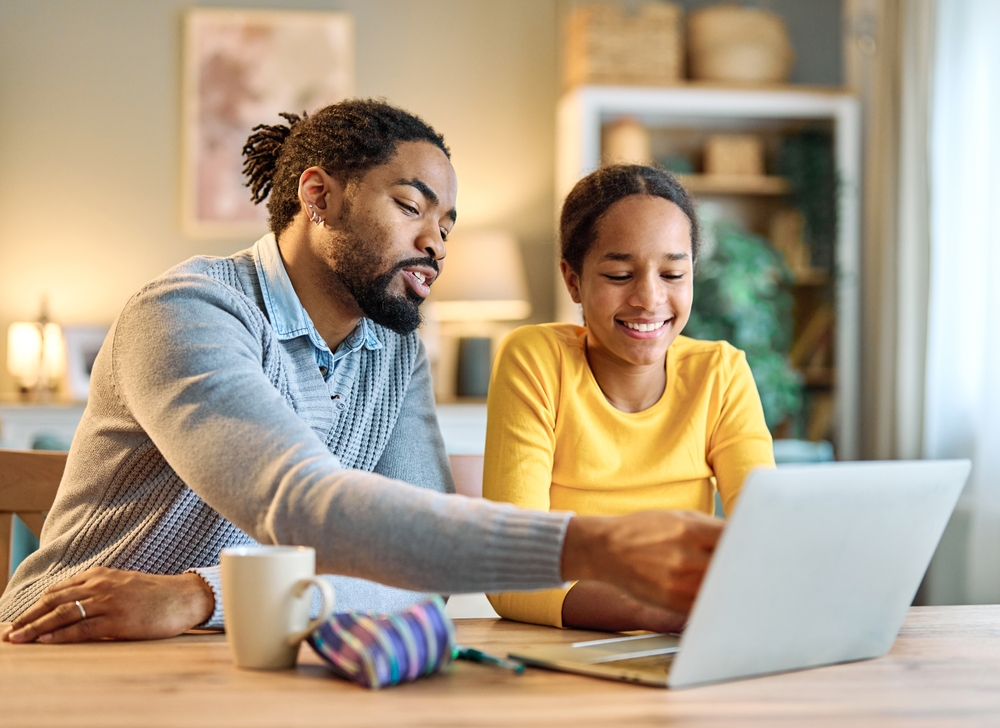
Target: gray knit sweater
x=204, y=431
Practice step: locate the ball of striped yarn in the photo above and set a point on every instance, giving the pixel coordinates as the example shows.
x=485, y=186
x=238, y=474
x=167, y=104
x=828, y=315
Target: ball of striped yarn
x=376, y=650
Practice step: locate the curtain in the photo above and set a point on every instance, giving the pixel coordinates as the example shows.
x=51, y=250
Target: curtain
x=962, y=394
x=888, y=53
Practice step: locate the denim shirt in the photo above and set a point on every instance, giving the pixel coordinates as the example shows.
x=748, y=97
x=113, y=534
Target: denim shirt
x=289, y=319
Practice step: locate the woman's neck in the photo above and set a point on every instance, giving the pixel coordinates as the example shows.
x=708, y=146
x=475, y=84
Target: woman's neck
x=628, y=387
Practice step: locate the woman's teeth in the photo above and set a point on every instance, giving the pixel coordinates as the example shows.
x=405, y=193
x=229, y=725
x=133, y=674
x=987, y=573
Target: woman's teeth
x=644, y=327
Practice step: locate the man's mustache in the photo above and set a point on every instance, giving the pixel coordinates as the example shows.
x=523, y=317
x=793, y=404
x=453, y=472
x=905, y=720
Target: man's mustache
x=429, y=262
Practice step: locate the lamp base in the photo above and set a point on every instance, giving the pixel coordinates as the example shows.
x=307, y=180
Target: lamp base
x=37, y=394
x=473, y=366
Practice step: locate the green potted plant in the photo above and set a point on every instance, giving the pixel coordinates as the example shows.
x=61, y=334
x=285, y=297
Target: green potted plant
x=741, y=295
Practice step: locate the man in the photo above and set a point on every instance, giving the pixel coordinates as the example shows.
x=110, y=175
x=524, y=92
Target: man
x=281, y=395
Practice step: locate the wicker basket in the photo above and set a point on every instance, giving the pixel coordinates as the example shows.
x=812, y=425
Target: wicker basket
x=625, y=141
x=606, y=44
x=734, y=154
x=735, y=44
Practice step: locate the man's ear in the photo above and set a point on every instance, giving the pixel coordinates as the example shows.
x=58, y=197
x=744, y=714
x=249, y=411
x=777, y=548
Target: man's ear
x=571, y=279
x=320, y=194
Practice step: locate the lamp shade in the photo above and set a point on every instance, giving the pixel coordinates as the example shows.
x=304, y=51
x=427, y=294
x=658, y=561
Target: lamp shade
x=482, y=279
x=36, y=353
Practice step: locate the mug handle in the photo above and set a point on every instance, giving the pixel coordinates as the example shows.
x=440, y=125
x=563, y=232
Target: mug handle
x=329, y=601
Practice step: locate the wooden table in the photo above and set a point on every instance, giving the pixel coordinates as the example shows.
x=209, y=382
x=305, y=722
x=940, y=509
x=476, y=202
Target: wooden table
x=943, y=670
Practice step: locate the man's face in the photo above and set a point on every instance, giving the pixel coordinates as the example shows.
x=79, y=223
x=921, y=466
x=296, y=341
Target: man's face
x=390, y=234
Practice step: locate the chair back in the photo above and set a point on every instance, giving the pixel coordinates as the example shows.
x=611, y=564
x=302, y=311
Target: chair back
x=467, y=470
x=29, y=480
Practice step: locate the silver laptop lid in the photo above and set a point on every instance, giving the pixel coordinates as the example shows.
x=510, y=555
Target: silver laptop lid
x=819, y=564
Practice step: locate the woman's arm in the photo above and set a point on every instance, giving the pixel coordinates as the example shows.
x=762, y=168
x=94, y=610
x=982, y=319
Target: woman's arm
x=740, y=440
x=520, y=447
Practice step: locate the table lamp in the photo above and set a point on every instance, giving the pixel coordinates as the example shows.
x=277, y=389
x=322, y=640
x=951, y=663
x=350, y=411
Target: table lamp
x=482, y=281
x=36, y=355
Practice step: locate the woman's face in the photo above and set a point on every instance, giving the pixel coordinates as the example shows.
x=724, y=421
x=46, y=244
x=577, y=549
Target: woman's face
x=636, y=282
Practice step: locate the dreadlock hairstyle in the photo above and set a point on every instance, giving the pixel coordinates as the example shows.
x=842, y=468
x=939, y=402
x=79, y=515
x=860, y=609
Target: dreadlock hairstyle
x=346, y=139
x=592, y=196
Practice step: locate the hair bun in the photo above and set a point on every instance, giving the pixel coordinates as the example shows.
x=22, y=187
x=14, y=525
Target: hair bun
x=261, y=153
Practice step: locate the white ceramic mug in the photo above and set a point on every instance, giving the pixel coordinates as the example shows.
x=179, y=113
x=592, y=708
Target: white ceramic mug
x=265, y=593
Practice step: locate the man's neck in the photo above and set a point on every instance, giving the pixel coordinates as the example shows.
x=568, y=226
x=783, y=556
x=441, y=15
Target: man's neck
x=333, y=322
x=333, y=310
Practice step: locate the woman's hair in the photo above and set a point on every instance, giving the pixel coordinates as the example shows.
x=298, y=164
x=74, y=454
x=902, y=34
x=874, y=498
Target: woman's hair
x=598, y=191
x=345, y=139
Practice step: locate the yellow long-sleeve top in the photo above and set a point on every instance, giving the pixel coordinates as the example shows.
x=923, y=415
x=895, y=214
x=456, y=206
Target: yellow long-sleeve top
x=554, y=442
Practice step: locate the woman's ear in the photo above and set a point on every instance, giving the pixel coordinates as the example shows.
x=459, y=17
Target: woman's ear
x=571, y=279
x=321, y=196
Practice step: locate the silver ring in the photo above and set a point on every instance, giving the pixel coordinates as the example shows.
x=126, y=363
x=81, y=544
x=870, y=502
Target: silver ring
x=83, y=612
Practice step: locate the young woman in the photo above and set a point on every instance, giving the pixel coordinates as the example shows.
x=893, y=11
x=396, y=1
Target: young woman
x=622, y=414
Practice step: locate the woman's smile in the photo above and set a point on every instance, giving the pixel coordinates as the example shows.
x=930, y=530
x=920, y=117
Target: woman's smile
x=645, y=328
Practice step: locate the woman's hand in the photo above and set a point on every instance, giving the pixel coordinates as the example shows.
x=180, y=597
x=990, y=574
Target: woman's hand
x=658, y=557
x=595, y=605
x=122, y=605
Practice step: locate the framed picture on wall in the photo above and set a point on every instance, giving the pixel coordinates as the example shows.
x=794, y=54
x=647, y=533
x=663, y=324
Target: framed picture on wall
x=242, y=68
x=82, y=345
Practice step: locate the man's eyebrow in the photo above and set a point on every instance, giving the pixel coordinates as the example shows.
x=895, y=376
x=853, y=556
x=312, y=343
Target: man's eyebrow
x=424, y=189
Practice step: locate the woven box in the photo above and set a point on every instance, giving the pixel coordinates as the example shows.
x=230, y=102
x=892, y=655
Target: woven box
x=735, y=44
x=607, y=44
x=734, y=154
x=625, y=141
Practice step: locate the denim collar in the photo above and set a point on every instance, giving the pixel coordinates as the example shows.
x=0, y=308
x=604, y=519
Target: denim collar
x=288, y=317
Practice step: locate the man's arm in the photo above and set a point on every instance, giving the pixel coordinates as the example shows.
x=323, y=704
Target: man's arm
x=188, y=364
x=659, y=558
x=414, y=453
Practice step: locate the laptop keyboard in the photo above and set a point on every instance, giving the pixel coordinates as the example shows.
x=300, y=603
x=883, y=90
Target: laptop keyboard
x=659, y=664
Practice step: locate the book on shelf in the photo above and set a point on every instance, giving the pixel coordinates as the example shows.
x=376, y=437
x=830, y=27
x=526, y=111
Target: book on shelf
x=816, y=334
x=820, y=424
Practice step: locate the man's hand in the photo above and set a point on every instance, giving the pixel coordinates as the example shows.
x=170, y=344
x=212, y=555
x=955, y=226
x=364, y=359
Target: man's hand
x=122, y=605
x=658, y=557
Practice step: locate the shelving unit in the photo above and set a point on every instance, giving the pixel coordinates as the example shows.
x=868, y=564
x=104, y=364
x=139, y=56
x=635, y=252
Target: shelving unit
x=722, y=184
x=683, y=115
x=22, y=423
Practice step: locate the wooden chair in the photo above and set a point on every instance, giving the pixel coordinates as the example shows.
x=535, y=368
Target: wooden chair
x=467, y=470
x=28, y=484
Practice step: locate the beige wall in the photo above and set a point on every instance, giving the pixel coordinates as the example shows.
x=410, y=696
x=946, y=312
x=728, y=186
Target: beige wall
x=90, y=135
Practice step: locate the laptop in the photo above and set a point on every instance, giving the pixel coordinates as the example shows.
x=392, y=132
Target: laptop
x=819, y=564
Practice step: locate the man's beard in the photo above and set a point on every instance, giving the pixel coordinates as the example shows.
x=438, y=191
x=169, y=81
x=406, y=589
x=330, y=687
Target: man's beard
x=359, y=260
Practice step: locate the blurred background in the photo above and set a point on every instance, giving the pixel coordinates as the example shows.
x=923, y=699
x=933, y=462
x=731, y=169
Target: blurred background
x=840, y=152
